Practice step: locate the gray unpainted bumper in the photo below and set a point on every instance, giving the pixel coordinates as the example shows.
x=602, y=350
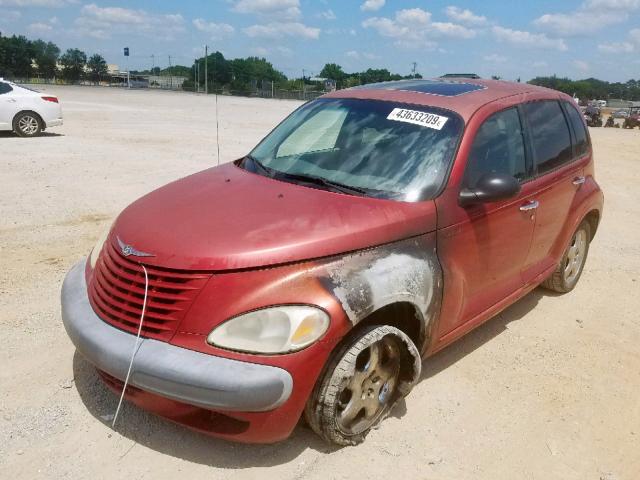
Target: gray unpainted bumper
x=177, y=373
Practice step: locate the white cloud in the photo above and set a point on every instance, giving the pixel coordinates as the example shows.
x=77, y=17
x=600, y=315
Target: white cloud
x=360, y=55
x=465, y=16
x=40, y=28
x=581, y=65
x=284, y=51
x=528, y=39
x=540, y=64
x=327, y=15
x=616, y=47
x=413, y=28
x=98, y=22
x=282, y=29
x=276, y=9
x=413, y=17
x=604, y=5
x=495, y=58
x=591, y=16
x=38, y=3
x=217, y=31
x=10, y=16
x=635, y=35
x=260, y=51
x=578, y=23
x=448, y=29
x=372, y=5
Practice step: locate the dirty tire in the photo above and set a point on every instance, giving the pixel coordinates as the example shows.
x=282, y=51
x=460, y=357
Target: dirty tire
x=365, y=364
x=565, y=277
x=27, y=124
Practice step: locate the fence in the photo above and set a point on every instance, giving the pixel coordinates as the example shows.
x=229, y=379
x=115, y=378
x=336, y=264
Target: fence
x=266, y=90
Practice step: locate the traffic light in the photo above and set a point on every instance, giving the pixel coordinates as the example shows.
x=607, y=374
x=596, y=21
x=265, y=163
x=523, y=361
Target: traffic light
x=126, y=51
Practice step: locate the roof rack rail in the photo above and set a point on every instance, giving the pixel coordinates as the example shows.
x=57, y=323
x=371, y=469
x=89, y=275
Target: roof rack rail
x=461, y=75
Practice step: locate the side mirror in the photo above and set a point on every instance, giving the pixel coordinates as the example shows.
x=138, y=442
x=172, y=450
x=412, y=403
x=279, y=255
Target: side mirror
x=491, y=187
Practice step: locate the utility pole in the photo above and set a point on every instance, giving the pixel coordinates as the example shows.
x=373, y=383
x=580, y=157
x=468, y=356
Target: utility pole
x=206, y=79
x=303, y=84
x=196, y=68
x=170, y=75
x=413, y=70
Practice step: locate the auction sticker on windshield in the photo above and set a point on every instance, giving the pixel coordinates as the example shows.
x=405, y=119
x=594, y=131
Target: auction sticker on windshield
x=423, y=119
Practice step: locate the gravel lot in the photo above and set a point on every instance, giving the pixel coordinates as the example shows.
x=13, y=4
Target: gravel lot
x=549, y=389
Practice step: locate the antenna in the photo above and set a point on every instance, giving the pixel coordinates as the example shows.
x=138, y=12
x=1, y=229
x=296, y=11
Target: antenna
x=217, y=131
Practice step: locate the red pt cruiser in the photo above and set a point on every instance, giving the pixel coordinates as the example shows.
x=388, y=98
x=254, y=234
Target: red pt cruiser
x=370, y=229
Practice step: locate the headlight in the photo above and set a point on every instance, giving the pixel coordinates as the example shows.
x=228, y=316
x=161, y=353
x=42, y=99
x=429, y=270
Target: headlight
x=272, y=330
x=95, y=253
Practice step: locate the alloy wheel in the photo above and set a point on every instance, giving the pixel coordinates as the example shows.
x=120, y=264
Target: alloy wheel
x=372, y=387
x=576, y=255
x=28, y=125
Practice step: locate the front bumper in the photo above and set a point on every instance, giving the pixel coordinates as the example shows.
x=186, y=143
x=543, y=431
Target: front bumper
x=176, y=373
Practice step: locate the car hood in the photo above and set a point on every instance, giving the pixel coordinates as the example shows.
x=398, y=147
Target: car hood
x=226, y=218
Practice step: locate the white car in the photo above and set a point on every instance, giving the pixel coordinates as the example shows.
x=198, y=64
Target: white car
x=26, y=111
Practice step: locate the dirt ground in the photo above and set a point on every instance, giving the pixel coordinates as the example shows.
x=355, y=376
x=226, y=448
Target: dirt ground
x=549, y=389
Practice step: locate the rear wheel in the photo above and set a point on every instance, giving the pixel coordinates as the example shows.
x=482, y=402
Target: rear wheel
x=567, y=273
x=27, y=124
x=365, y=378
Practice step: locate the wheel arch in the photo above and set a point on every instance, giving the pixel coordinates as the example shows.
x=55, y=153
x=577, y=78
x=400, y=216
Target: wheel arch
x=403, y=315
x=593, y=217
x=43, y=124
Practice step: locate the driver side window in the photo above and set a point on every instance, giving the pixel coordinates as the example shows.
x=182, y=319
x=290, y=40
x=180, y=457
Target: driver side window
x=498, y=148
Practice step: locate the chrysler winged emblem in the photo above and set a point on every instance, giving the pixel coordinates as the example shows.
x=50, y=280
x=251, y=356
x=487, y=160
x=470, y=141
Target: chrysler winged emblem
x=128, y=250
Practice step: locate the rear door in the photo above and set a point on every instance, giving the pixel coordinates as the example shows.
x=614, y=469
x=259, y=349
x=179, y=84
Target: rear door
x=560, y=150
x=7, y=106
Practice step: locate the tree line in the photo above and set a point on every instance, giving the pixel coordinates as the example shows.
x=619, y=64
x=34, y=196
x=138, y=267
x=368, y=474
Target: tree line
x=23, y=58
x=591, y=88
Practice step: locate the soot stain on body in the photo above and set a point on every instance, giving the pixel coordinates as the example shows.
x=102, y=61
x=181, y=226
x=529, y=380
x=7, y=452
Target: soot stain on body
x=406, y=271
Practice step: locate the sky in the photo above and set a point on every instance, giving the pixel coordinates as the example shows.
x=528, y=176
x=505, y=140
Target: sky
x=512, y=39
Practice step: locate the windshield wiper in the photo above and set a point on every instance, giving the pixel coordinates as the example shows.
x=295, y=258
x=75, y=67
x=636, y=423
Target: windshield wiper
x=269, y=172
x=332, y=185
x=321, y=181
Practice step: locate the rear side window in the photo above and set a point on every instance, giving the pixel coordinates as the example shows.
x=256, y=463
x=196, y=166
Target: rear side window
x=5, y=88
x=550, y=135
x=498, y=148
x=582, y=144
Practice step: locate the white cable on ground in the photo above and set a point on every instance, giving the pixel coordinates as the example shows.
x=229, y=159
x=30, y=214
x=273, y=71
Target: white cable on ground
x=135, y=347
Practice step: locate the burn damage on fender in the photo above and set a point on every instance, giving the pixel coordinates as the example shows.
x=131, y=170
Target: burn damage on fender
x=405, y=271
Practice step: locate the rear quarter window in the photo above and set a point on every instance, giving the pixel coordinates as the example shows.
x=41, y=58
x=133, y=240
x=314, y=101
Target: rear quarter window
x=577, y=123
x=550, y=137
x=5, y=88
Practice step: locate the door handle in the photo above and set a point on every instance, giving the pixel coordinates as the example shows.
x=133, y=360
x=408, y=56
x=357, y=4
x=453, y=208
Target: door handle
x=532, y=205
x=579, y=180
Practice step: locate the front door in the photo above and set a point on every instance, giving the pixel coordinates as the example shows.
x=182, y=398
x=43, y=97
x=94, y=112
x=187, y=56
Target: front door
x=7, y=106
x=483, y=253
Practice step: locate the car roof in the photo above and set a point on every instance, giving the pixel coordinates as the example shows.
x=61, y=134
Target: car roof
x=464, y=96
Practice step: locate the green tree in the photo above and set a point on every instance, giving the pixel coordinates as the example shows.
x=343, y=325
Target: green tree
x=333, y=71
x=46, y=57
x=16, y=56
x=73, y=62
x=97, y=67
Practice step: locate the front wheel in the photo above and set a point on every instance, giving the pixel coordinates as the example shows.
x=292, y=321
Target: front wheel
x=375, y=368
x=567, y=273
x=27, y=124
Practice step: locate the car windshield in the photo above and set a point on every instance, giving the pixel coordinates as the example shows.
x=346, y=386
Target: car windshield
x=367, y=147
